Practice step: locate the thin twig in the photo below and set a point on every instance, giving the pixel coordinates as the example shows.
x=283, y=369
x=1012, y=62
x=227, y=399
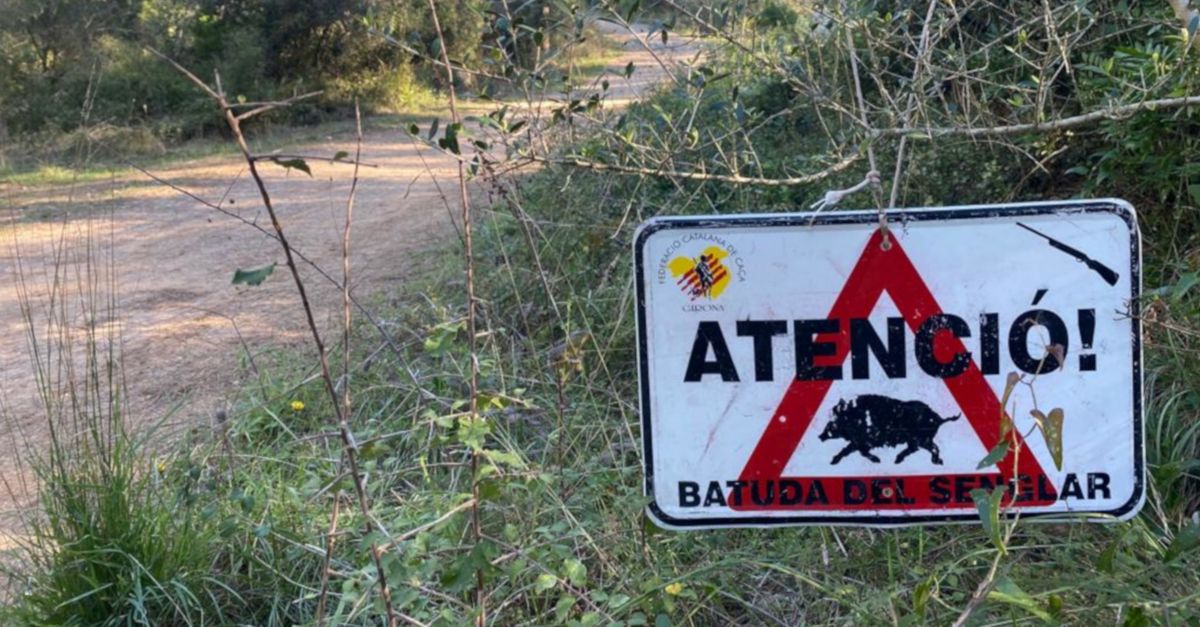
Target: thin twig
x=349, y=448
x=330, y=540
x=374, y=320
x=246, y=115
x=191, y=77
x=473, y=369
x=349, y=221
x=704, y=176
x=1074, y=121
x=407, y=535
x=275, y=157
x=885, y=243
x=914, y=84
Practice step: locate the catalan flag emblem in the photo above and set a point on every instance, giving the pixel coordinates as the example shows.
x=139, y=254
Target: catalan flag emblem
x=704, y=276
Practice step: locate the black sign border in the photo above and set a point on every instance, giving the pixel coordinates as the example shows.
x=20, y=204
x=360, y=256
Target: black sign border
x=899, y=218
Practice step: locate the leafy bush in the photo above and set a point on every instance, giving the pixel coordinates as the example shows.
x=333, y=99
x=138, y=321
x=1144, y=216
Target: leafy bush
x=55, y=77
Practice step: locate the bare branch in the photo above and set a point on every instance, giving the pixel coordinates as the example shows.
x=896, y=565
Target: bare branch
x=704, y=176
x=349, y=448
x=273, y=157
x=473, y=369
x=1084, y=119
x=192, y=77
x=407, y=535
x=274, y=105
x=330, y=540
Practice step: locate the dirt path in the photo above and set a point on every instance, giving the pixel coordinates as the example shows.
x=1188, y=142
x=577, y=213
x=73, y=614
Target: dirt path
x=184, y=326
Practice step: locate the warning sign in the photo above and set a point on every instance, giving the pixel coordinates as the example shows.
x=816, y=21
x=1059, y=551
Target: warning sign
x=803, y=369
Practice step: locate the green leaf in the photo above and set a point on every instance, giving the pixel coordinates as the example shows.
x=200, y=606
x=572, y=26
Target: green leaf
x=1055, y=606
x=450, y=141
x=1185, y=283
x=593, y=618
x=505, y=457
x=1185, y=541
x=995, y=455
x=1007, y=591
x=988, y=506
x=339, y=155
x=633, y=7
x=629, y=69
x=413, y=129
x=562, y=609
x=544, y=582
x=1006, y=420
x=433, y=129
x=473, y=433
x=576, y=572
x=293, y=164
x=1193, y=26
x=1136, y=617
x=921, y=595
x=253, y=276
x=462, y=573
x=489, y=490
x=1194, y=192
x=1054, y=436
x=618, y=601
x=1051, y=428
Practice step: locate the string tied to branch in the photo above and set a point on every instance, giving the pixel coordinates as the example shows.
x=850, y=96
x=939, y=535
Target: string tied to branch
x=835, y=196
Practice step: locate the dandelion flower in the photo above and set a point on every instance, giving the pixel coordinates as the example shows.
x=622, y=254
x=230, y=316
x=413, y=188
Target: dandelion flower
x=674, y=589
x=297, y=405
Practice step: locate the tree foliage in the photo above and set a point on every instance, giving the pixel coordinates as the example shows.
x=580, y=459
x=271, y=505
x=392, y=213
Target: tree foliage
x=68, y=63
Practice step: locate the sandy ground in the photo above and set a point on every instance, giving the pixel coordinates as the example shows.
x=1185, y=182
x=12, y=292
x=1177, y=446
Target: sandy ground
x=184, y=327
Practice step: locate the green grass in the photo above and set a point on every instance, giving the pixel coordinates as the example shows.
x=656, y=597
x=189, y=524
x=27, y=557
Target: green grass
x=31, y=176
x=47, y=168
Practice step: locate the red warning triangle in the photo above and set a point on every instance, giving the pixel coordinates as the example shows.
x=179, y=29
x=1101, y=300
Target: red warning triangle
x=878, y=270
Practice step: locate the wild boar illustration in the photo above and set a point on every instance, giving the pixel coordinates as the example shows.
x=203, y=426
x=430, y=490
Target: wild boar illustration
x=871, y=421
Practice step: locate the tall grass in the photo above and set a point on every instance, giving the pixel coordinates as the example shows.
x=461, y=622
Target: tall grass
x=108, y=545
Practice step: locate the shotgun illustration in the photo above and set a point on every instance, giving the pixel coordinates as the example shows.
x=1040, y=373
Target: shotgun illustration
x=1104, y=271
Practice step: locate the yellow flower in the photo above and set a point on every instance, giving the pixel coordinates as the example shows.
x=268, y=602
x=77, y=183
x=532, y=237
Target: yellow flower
x=161, y=465
x=297, y=405
x=674, y=589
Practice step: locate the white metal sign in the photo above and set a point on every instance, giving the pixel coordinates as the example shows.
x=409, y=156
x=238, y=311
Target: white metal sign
x=808, y=369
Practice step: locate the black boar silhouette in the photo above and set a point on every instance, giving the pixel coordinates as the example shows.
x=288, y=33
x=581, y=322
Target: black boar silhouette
x=871, y=421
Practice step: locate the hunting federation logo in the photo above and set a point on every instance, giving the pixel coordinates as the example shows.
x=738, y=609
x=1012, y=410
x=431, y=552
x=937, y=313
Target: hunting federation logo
x=703, y=266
